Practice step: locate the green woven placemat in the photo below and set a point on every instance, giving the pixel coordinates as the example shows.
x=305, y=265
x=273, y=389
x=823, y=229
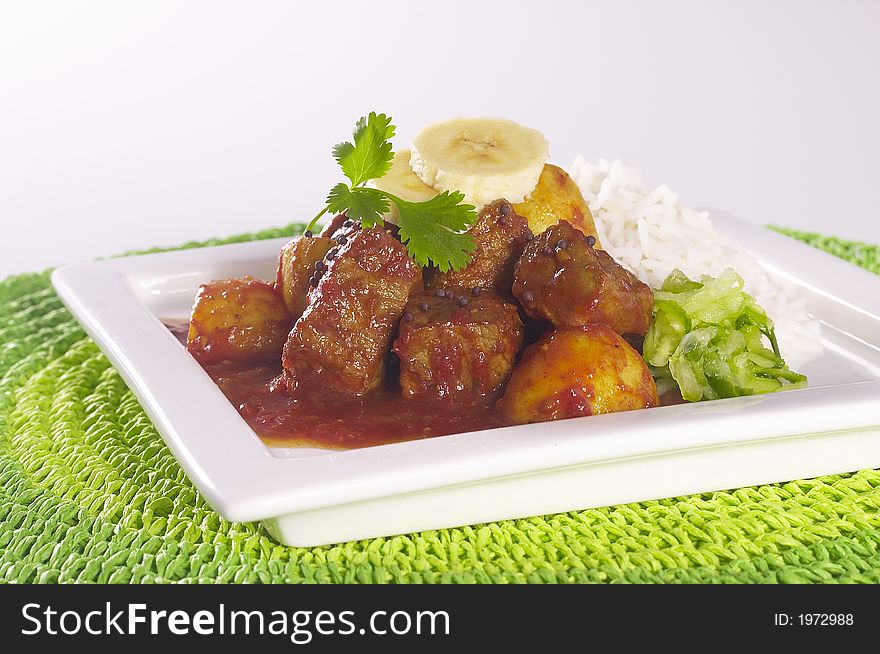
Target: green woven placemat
x=89, y=492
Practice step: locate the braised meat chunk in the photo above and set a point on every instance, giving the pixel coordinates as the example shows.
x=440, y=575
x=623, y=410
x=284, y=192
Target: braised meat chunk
x=335, y=224
x=304, y=259
x=343, y=336
x=296, y=267
x=501, y=235
x=562, y=278
x=577, y=371
x=237, y=320
x=457, y=346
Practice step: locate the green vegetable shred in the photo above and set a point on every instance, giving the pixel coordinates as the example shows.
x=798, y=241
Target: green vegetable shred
x=710, y=338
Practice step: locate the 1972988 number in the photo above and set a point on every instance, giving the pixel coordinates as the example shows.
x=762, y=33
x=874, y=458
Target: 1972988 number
x=824, y=619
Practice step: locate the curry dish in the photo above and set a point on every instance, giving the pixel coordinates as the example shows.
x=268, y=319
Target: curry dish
x=354, y=344
x=462, y=286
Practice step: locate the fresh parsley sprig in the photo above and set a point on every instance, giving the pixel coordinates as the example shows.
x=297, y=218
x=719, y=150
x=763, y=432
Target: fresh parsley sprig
x=434, y=231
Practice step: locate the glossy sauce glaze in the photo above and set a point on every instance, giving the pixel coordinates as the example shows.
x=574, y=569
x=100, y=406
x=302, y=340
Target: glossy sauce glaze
x=316, y=419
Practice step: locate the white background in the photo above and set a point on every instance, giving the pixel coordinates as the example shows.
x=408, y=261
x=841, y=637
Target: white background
x=129, y=124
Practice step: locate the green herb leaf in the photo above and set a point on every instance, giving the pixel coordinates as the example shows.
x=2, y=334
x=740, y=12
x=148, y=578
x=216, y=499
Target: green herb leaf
x=432, y=230
x=367, y=205
x=369, y=157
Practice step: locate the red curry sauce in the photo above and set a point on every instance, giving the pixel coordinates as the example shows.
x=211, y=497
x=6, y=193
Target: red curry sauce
x=316, y=420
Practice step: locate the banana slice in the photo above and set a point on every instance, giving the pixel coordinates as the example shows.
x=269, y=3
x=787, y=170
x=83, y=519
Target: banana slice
x=404, y=183
x=486, y=159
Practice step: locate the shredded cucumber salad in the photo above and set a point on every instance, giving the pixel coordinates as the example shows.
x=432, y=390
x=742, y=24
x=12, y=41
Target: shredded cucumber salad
x=710, y=338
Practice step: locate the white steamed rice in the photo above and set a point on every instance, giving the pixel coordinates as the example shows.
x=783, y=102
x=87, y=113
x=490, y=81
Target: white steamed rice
x=651, y=233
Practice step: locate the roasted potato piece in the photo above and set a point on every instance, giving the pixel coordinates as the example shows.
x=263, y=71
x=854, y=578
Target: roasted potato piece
x=296, y=266
x=457, y=346
x=578, y=371
x=238, y=320
x=562, y=278
x=343, y=337
x=556, y=197
x=500, y=235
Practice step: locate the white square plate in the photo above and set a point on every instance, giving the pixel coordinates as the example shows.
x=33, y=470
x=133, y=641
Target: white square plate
x=311, y=496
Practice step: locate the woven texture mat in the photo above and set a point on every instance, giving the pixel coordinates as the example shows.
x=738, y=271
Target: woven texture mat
x=90, y=493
